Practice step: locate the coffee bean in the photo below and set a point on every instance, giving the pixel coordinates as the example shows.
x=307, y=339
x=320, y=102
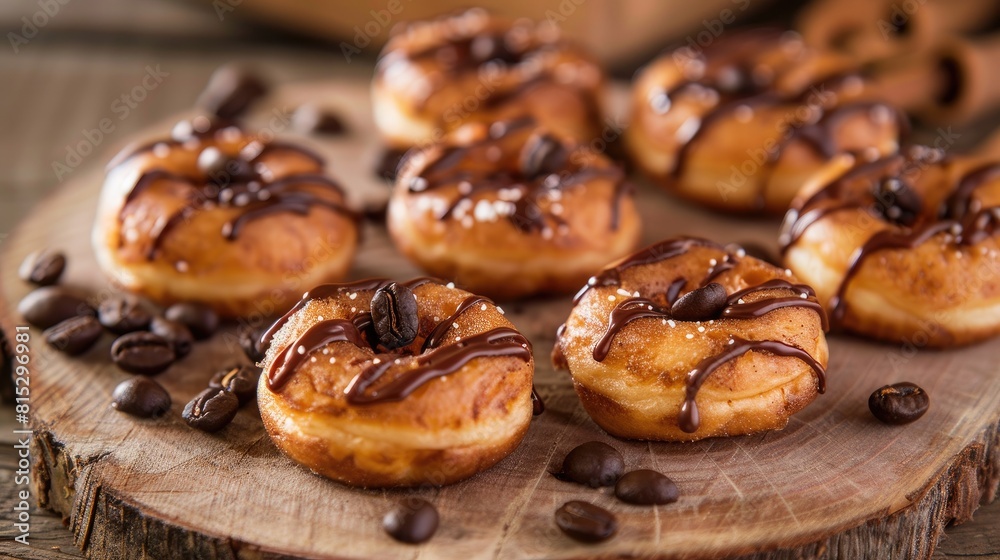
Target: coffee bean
x=412, y=521
x=542, y=154
x=199, y=319
x=250, y=343
x=231, y=91
x=212, y=410
x=310, y=119
x=645, y=487
x=142, y=397
x=593, y=463
x=143, y=353
x=123, y=314
x=394, y=312
x=900, y=403
x=43, y=267
x=238, y=380
x=586, y=522
x=75, y=335
x=702, y=304
x=46, y=307
x=180, y=336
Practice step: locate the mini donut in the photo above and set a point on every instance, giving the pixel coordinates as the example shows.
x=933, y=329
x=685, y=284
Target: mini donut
x=510, y=210
x=433, y=76
x=221, y=217
x=340, y=400
x=741, y=125
x=688, y=339
x=904, y=249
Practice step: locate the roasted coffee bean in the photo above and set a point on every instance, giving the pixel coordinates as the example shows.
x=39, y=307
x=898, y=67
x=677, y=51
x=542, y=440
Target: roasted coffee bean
x=645, y=487
x=250, y=343
x=75, y=335
x=238, y=380
x=212, y=410
x=897, y=202
x=412, y=521
x=142, y=397
x=49, y=306
x=900, y=403
x=231, y=91
x=199, y=319
x=388, y=164
x=143, y=353
x=123, y=314
x=394, y=312
x=180, y=336
x=702, y=304
x=593, y=463
x=43, y=268
x=541, y=155
x=586, y=522
x=310, y=119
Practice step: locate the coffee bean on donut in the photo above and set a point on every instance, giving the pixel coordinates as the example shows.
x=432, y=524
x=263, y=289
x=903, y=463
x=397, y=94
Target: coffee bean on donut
x=394, y=312
x=586, y=522
x=702, y=304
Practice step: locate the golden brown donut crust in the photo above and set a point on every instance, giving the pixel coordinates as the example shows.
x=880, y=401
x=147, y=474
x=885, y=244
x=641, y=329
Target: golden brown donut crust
x=448, y=429
x=638, y=389
x=433, y=76
x=741, y=126
x=264, y=267
x=477, y=220
x=944, y=290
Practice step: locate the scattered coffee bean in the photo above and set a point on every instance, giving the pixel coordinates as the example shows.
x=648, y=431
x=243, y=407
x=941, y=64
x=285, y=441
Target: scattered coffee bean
x=586, y=522
x=310, y=119
x=142, y=397
x=646, y=487
x=238, y=380
x=48, y=306
x=43, y=267
x=200, y=319
x=178, y=335
x=388, y=164
x=394, y=312
x=75, y=335
x=250, y=343
x=900, y=403
x=231, y=91
x=593, y=463
x=123, y=314
x=212, y=410
x=701, y=304
x=143, y=353
x=542, y=154
x=412, y=521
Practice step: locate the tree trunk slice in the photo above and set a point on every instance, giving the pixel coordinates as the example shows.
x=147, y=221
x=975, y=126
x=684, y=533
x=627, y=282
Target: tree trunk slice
x=834, y=484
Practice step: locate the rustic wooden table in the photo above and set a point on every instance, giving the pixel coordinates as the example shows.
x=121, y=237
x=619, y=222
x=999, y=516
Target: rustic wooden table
x=73, y=71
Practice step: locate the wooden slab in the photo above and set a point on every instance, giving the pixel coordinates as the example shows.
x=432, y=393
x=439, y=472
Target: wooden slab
x=835, y=483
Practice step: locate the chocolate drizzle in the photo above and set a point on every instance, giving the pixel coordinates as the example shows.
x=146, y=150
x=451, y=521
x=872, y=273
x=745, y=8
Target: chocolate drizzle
x=317, y=337
x=239, y=183
x=437, y=335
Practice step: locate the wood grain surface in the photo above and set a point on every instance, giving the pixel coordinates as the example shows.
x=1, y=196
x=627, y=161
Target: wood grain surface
x=834, y=484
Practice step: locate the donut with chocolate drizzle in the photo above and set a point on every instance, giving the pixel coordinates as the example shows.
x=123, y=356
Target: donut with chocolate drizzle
x=434, y=76
x=905, y=248
x=511, y=209
x=740, y=126
x=689, y=339
x=445, y=403
x=213, y=214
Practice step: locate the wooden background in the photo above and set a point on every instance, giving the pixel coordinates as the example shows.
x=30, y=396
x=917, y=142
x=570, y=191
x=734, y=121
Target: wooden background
x=66, y=79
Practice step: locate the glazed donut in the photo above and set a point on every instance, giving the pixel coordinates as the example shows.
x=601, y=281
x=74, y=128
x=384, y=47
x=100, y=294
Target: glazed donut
x=365, y=408
x=688, y=339
x=217, y=216
x=510, y=210
x=740, y=126
x=433, y=76
x=904, y=249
